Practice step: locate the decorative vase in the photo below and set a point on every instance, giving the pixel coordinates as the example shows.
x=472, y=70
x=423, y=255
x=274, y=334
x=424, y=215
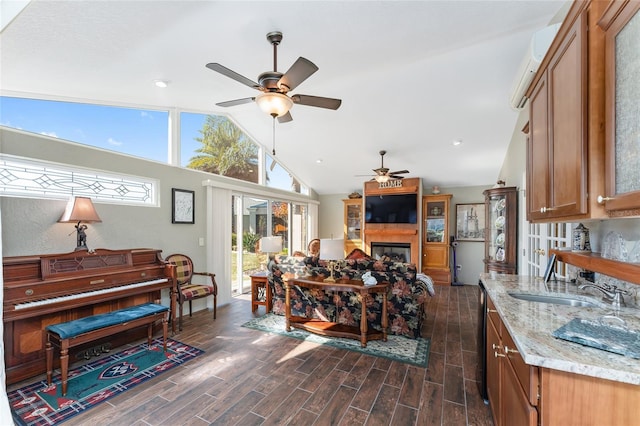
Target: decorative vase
x=435, y=190
x=581, y=239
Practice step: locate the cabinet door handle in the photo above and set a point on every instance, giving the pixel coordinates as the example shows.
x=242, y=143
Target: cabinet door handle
x=539, y=251
x=543, y=209
x=492, y=311
x=496, y=347
x=602, y=199
x=496, y=355
x=510, y=351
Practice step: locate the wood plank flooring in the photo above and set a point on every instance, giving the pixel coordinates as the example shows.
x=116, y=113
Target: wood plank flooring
x=247, y=377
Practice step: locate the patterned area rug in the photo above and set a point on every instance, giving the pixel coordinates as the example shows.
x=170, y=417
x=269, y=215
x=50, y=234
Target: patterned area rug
x=90, y=384
x=397, y=348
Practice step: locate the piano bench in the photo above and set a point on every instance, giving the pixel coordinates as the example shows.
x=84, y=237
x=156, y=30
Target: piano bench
x=70, y=334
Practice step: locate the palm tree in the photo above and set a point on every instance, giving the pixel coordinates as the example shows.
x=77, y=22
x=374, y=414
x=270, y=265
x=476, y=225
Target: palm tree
x=226, y=151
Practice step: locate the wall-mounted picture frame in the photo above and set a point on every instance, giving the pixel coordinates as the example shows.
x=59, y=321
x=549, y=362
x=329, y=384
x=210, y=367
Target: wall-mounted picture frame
x=470, y=222
x=183, y=206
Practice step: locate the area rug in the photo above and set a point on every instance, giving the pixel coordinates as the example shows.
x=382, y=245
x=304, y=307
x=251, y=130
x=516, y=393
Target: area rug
x=396, y=348
x=90, y=384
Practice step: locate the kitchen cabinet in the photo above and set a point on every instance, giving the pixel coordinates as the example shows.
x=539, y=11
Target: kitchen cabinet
x=352, y=224
x=621, y=23
x=435, y=238
x=565, y=140
x=512, y=385
x=501, y=229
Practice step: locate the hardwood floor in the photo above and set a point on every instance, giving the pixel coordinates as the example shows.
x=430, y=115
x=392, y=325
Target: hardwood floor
x=247, y=377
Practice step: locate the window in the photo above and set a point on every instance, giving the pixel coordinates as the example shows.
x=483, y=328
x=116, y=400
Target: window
x=214, y=144
x=138, y=132
x=279, y=177
x=206, y=142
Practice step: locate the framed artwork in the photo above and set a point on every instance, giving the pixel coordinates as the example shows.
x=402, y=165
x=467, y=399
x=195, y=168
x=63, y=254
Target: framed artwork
x=470, y=222
x=550, y=268
x=182, y=206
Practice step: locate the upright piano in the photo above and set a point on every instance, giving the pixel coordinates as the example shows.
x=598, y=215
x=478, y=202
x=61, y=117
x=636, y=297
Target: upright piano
x=49, y=289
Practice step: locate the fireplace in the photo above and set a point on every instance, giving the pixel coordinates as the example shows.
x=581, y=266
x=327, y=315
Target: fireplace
x=397, y=252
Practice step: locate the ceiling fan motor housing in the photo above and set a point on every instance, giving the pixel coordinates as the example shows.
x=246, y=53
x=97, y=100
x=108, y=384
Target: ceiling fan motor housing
x=269, y=81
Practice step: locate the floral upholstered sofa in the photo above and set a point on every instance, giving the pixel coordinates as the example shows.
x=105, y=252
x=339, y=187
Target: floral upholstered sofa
x=405, y=299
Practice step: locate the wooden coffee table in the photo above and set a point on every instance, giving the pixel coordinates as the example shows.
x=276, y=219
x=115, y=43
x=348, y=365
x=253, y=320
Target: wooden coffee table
x=327, y=328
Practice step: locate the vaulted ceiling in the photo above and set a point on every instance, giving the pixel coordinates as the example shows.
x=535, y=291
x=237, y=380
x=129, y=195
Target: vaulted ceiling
x=413, y=75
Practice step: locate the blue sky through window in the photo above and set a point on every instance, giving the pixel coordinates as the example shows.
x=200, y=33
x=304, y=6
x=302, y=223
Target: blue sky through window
x=138, y=132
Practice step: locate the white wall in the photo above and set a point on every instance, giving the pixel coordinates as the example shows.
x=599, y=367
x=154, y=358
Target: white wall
x=331, y=216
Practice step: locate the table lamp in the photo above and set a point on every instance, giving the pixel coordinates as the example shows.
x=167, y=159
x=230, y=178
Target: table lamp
x=80, y=209
x=271, y=246
x=331, y=251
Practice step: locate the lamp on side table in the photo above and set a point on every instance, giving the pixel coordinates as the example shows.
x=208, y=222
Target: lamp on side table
x=331, y=251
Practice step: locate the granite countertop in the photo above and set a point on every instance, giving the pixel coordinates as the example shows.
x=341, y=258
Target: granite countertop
x=530, y=324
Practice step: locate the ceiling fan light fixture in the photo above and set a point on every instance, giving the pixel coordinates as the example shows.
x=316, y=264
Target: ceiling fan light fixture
x=382, y=178
x=274, y=104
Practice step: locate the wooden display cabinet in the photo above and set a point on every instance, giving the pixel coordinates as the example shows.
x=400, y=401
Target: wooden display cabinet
x=435, y=238
x=501, y=229
x=352, y=224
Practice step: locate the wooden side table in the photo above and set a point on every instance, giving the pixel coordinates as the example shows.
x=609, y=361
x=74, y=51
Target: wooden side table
x=327, y=328
x=260, y=292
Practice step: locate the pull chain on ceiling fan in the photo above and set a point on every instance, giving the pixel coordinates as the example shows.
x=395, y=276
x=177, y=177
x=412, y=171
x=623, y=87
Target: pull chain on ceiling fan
x=273, y=149
x=275, y=86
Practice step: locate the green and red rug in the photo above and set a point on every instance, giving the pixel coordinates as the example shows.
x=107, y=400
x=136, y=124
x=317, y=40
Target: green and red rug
x=90, y=384
x=396, y=348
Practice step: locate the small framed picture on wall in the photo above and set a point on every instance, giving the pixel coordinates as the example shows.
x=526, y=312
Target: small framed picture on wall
x=183, y=202
x=470, y=222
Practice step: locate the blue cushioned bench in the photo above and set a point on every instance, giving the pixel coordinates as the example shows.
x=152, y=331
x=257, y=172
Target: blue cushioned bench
x=69, y=334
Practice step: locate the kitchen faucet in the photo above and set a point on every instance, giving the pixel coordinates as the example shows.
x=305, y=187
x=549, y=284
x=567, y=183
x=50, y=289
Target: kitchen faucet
x=612, y=293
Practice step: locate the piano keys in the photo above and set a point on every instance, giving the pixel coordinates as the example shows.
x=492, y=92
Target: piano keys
x=48, y=289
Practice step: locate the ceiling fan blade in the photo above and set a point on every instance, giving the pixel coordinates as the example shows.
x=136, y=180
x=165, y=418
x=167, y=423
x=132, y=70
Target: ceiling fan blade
x=236, y=102
x=396, y=177
x=285, y=118
x=316, y=101
x=399, y=172
x=214, y=66
x=299, y=72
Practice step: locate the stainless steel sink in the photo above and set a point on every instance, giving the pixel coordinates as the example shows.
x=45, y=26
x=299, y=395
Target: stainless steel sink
x=567, y=300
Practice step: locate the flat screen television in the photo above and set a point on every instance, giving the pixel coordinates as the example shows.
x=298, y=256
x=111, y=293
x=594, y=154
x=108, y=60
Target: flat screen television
x=396, y=208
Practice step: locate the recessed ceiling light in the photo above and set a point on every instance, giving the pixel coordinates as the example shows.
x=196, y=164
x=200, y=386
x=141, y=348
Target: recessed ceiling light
x=457, y=142
x=319, y=160
x=161, y=83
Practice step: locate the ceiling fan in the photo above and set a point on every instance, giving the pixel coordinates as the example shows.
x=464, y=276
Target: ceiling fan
x=382, y=173
x=274, y=86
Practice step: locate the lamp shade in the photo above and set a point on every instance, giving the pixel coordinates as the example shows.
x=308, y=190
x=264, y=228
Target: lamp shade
x=274, y=103
x=331, y=249
x=80, y=209
x=271, y=244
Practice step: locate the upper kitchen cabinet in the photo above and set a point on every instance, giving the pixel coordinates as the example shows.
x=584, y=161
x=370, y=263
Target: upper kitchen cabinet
x=621, y=23
x=565, y=140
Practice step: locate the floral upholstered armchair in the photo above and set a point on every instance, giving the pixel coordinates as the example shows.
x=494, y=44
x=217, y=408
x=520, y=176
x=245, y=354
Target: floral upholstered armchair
x=405, y=300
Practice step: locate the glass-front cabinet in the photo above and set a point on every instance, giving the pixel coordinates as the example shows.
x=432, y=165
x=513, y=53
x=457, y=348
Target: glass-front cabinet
x=352, y=224
x=621, y=22
x=501, y=211
x=435, y=238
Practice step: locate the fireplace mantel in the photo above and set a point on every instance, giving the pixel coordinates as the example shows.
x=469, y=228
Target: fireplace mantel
x=406, y=233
